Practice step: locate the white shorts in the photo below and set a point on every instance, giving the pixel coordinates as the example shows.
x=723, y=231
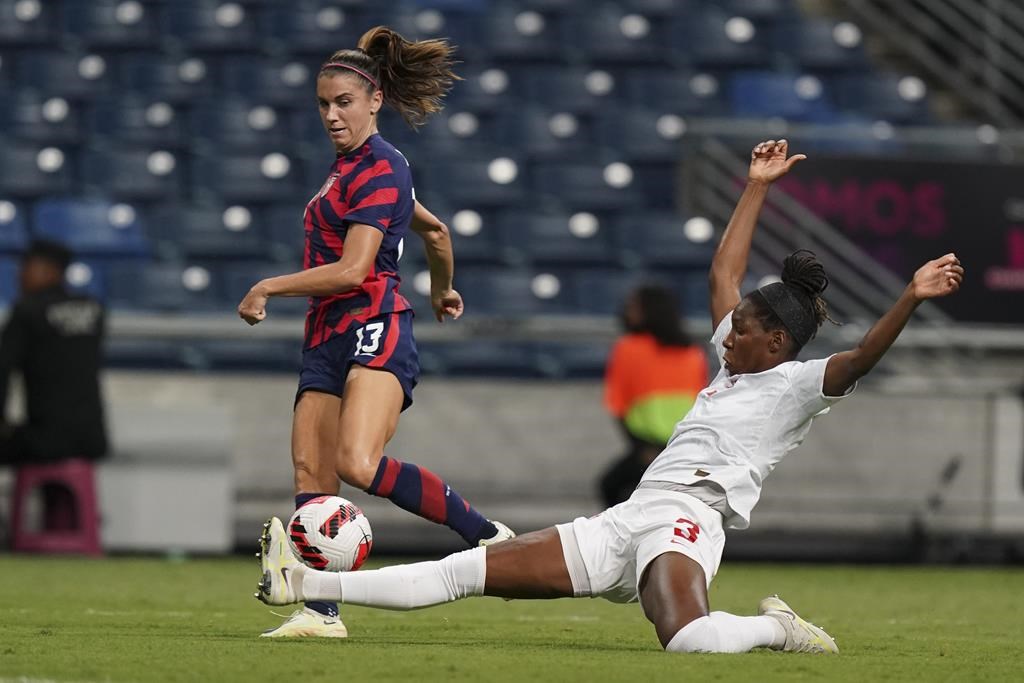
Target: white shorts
x=608, y=553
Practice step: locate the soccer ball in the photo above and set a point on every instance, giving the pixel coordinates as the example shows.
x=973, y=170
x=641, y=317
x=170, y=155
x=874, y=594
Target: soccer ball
x=331, y=534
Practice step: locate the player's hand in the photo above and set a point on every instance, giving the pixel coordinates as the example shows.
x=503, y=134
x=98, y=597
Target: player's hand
x=254, y=306
x=447, y=302
x=938, y=278
x=768, y=161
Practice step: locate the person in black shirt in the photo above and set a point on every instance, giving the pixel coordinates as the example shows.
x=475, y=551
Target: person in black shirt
x=54, y=338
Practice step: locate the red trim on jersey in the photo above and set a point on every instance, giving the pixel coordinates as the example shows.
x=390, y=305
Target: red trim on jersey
x=432, y=502
x=387, y=195
x=390, y=342
x=387, y=482
x=382, y=167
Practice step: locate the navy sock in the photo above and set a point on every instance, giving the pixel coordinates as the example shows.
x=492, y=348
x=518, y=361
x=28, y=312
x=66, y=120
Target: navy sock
x=328, y=609
x=423, y=493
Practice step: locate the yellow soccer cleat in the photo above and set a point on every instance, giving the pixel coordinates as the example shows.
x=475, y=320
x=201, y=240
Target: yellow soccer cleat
x=307, y=623
x=801, y=635
x=281, y=582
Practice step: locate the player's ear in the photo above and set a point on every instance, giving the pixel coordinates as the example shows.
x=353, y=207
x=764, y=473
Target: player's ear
x=777, y=341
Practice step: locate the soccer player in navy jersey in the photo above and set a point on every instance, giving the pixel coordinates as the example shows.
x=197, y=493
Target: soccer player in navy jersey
x=359, y=362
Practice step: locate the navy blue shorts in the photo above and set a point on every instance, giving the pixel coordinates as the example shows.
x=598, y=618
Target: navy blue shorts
x=384, y=342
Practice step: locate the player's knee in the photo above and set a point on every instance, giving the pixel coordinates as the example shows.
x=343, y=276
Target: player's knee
x=699, y=635
x=355, y=468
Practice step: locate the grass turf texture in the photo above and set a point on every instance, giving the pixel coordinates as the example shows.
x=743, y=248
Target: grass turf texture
x=155, y=620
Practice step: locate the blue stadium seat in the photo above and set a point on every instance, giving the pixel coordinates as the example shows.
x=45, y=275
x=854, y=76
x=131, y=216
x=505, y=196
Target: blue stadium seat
x=13, y=227
x=240, y=277
x=641, y=134
x=585, y=186
x=449, y=134
x=27, y=115
x=313, y=27
x=245, y=177
x=682, y=92
x=285, y=231
x=212, y=25
x=571, y=89
x=91, y=227
x=513, y=292
x=8, y=280
x=87, y=276
x=129, y=353
x=467, y=182
x=27, y=23
x=485, y=88
x=659, y=239
x=545, y=133
x=266, y=355
x=111, y=23
x=281, y=82
x=573, y=360
x=713, y=38
x=765, y=94
x=31, y=170
x=660, y=9
x=476, y=359
x=879, y=96
x=812, y=44
x=475, y=233
x=514, y=32
x=163, y=287
x=554, y=237
x=133, y=174
x=137, y=120
x=611, y=35
x=761, y=10
x=175, y=80
x=602, y=291
x=198, y=232
x=74, y=75
x=238, y=124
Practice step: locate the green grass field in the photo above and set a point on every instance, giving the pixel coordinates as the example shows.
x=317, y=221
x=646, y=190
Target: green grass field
x=155, y=620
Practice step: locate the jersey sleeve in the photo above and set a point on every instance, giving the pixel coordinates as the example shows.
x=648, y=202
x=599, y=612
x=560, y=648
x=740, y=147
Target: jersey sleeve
x=372, y=196
x=721, y=332
x=807, y=381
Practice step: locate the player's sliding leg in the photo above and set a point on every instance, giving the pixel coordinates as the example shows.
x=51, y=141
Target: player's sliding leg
x=673, y=593
x=369, y=416
x=314, y=441
x=530, y=566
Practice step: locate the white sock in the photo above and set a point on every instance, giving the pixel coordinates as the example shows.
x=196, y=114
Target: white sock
x=404, y=586
x=724, y=632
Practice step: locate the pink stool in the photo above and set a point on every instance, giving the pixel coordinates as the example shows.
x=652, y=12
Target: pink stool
x=71, y=515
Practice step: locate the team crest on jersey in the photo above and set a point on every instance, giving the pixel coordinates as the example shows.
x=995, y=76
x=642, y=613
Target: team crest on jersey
x=327, y=186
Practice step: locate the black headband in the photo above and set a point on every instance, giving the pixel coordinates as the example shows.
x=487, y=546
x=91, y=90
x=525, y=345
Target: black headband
x=793, y=308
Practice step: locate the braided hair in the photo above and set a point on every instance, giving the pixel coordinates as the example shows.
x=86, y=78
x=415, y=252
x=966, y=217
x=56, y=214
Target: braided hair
x=795, y=304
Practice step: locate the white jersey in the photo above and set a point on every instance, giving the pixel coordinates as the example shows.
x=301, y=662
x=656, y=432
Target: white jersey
x=740, y=427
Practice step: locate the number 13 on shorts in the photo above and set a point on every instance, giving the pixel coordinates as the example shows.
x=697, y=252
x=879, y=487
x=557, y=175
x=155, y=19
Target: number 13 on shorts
x=368, y=339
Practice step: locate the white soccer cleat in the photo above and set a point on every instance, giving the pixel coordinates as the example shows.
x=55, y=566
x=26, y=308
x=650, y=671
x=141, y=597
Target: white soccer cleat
x=308, y=623
x=281, y=570
x=801, y=635
x=504, y=533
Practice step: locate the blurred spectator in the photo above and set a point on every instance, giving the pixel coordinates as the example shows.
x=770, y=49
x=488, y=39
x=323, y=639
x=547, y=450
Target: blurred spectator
x=53, y=337
x=652, y=380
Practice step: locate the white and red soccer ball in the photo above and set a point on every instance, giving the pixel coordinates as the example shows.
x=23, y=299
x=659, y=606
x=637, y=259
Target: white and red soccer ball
x=331, y=534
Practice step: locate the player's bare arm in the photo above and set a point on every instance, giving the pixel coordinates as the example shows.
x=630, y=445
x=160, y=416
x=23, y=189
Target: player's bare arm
x=768, y=163
x=361, y=245
x=444, y=299
x=937, y=278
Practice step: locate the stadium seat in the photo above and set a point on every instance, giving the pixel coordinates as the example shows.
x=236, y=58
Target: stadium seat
x=546, y=133
x=611, y=35
x=137, y=120
x=642, y=134
x=28, y=170
x=133, y=174
x=890, y=97
x=88, y=276
x=602, y=291
x=198, y=232
x=237, y=124
x=245, y=177
x=13, y=227
x=485, y=88
x=315, y=28
x=73, y=75
x=212, y=25
x=681, y=92
x=513, y=292
x=131, y=353
x=27, y=115
x=716, y=39
x=111, y=23
x=573, y=360
x=174, y=80
x=765, y=94
x=30, y=23
x=473, y=182
x=761, y=10
x=285, y=231
x=450, y=134
x=8, y=280
x=261, y=355
x=814, y=44
x=163, y=287
x=514, y=32
x=571, y=89
x=475, y=234
x=597, y=186
x=555, y=237
x=279, y=82
x=660, y=239
x=475, y=359
x=91, y=227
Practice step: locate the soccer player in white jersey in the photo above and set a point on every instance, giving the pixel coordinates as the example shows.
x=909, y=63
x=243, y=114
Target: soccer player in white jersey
x=663, y=545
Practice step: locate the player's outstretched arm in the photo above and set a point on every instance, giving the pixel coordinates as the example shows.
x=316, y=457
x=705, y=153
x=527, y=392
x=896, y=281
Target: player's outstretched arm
x=934, y=279
x=441, y=260
x=768, y=163
x=361, y=245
